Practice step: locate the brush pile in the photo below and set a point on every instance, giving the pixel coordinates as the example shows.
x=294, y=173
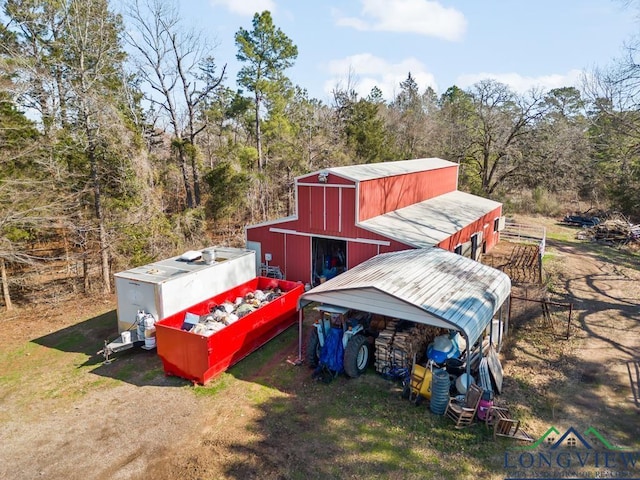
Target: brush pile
x=614, y=231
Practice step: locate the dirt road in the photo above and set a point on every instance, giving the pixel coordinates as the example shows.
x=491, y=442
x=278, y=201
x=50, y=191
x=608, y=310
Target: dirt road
x=603, y=378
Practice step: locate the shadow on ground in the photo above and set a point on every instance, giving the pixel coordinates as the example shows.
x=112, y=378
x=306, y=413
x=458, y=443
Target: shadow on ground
x=135, y=366
x=634, y=381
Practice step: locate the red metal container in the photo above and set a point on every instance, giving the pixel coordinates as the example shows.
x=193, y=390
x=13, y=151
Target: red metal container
x=199, y=358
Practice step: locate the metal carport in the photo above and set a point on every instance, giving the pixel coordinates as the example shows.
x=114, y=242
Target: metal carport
x=431, y=286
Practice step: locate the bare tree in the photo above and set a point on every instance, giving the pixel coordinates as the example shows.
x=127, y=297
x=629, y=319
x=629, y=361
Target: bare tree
x=614, y=131
x=502, y=121
x=64, y=64
x=31, y=200
x=181, y=76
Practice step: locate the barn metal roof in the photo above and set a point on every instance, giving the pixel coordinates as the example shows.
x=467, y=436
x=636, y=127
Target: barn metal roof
x=371, y=171
x=431, y=286
x=427, y=223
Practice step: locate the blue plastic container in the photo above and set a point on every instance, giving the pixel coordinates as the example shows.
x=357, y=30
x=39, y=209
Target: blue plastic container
x=440, y=385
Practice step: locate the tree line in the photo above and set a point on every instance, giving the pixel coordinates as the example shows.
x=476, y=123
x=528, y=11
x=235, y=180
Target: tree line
x=123, y=139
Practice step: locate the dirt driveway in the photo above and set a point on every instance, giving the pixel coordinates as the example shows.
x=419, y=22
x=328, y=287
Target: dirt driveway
x=66, y=415
x=591, y=379
x=603, y=367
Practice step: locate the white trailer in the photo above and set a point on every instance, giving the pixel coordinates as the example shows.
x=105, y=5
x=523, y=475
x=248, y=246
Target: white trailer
x=152, y=292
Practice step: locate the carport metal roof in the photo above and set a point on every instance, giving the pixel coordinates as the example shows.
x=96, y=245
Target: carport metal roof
x=431, y=286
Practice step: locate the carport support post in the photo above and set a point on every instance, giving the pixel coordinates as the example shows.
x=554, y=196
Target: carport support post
x=466, y=338
x=300, y=334
x=505, y=324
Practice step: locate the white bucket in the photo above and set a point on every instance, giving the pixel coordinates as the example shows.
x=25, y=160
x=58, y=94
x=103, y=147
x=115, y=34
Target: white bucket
x=463, y=382
x=209, y=256
x=125, y=337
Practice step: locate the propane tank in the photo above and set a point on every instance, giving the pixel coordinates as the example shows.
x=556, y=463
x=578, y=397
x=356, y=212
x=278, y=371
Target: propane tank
x=149, y=331
x=140, y=325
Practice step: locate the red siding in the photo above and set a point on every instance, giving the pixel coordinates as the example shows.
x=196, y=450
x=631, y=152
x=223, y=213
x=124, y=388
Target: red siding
x=348, y=219
x=332, y=209
x=484, y=224
x=384, y=195
x=316, y=209
x=303, y=209
x=492, y=236
x=270, y=242
x=331, y=179
x=394, y=247
x=359, y=252
x=298, y=266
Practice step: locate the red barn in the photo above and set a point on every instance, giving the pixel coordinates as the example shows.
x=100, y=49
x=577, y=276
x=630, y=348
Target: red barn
x=346, y=215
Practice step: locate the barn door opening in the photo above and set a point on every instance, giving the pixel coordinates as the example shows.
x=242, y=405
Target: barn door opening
x=328, y=258
x=476, y=246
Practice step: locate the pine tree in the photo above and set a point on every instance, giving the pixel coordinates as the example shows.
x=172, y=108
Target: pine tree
x=266, y=53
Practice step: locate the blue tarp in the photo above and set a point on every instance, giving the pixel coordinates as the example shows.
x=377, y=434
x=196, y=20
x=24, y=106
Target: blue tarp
x=332, y=352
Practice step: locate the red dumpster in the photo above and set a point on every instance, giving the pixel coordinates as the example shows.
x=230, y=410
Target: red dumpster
x=198, y=357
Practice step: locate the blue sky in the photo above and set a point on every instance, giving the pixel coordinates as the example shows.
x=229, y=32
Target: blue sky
x=523, y=44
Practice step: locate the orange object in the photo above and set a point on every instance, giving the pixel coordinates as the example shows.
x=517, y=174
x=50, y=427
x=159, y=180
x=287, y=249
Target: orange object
x=199, y=358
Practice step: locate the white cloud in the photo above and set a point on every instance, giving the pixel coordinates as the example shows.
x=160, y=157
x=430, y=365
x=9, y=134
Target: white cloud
x=424, y=17
x=522, y=84
x=368, y=71
x=245, y=7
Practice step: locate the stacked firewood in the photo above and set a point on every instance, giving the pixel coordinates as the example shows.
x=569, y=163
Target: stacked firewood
x=401, y=342
x=414, y=341
x=384, y=345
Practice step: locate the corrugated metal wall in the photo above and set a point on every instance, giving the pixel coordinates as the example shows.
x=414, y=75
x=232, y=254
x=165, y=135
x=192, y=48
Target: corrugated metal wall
x=331, y=179
x=333, y=209
x=317, y=208
x=330, y=210
x=298, y=262
x=359, y=252
x=388, y=194
x=485, y=224
x=270, y=242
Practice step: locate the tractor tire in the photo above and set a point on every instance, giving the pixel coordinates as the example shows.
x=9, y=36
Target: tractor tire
x=313, y=349
x=356, y=356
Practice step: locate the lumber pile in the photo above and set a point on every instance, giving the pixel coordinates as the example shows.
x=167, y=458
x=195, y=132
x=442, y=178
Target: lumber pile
x=384, y=346
x=400, y=341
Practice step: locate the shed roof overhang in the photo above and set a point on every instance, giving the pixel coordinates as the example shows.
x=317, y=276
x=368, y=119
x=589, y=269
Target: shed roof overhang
x=430, y=286
x=427, y=223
